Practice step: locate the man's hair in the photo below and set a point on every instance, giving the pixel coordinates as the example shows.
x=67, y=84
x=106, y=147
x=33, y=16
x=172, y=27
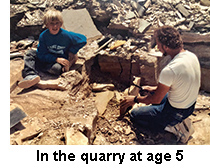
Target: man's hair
x=52, y=15
x=168, y=36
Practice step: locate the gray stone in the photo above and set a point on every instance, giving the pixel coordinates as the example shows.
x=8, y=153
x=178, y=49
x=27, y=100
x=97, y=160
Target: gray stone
x=79, y=21
x=143, y=25
x=183, y=10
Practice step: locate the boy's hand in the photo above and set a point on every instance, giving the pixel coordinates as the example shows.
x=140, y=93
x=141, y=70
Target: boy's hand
x=64, y=62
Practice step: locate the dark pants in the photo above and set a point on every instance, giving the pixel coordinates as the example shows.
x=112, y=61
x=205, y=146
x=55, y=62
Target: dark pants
x=33, y=65
x=159, y=116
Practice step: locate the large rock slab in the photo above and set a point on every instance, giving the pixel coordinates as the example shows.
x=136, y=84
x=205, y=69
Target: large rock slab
x=75, y=137
x=102, y=99
x=123, y=69
x=79, y=21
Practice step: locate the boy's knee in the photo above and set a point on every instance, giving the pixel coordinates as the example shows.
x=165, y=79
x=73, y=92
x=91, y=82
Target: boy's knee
x=56, y=69
x=31, y=52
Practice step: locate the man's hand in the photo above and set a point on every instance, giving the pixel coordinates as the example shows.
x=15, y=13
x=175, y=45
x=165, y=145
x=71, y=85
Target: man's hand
x=127, y=102
x=64, y=62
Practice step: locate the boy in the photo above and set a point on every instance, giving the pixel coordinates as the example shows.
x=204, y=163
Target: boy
x=56, y=51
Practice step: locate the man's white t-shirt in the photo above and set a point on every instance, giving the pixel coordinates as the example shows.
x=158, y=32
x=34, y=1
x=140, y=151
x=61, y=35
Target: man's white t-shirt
x=182, y=75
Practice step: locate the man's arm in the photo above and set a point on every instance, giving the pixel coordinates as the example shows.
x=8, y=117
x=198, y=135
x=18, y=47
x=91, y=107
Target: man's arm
x=155, y=98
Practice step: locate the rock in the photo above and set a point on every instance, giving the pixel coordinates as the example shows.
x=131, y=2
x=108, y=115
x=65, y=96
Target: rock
x=16, y=55
x=25, y=43
x=100, y=11
x=30, y=132
x=143, y=25
x=52, y=84
x=18, y=1
x=74, y=80
x=30, y=24
x=16, y=66
x=75, y=137
x=183, y=10
x=123, y=67
x=127, y=130
x=205, y=2
x=130, y=15
x=195, y=37
x=117, y=44
x=86, y=116
x=80, y=23
x=16, y=114
x=101, y=87
x=102, y=99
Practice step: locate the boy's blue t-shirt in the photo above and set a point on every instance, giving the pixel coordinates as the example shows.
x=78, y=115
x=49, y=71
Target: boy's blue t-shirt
x=51, y=46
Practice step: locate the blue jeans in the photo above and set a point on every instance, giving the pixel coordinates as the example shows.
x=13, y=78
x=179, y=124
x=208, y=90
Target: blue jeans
x=32, y=65
x=158, y=116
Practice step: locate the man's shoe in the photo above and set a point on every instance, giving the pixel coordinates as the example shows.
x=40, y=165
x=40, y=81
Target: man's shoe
x=29, y=81
x=182, y=130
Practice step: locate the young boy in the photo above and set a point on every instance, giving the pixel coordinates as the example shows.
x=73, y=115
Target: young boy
x=56, y=51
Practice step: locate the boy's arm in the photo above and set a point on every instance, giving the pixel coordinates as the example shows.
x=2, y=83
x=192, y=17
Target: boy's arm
x=78, y=41
x=72, y=58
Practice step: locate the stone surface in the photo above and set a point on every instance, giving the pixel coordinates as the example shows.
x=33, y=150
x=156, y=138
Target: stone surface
x=102, y=99
x=183, y=10
x=75, y=137
x=143, y=25
x=16, y=66
x=81, y=22
x=205, y=2
x=195, y=37
x=52, y=84
x=102, y=87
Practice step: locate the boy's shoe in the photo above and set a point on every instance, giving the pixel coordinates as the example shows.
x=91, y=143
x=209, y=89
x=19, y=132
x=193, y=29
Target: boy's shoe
x=29, y=81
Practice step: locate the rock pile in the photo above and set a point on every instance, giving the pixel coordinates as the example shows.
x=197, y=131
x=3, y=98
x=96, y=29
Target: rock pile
x=122, y=20
x=123, y=52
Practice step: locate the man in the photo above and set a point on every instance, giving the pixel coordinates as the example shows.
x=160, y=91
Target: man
x=174, y=97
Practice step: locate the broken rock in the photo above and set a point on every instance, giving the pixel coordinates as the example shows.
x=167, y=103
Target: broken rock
x=183, y=10
x=143, y=25
x=102, y=99
x=101, y=87
x=52, y=84
x=16, y=66
x=75, y=137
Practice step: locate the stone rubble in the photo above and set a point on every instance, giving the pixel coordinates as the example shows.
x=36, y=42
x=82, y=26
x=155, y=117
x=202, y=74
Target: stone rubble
x=118, y=21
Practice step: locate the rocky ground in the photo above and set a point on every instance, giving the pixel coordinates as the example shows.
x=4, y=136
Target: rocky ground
x=82, y=106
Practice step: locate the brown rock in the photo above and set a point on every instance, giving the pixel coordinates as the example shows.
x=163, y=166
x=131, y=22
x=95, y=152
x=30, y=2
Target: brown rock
x=75, y=137
x=102, y=99
x=16, y=66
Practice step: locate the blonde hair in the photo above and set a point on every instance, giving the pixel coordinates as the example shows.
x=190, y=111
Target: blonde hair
x=52, y=15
